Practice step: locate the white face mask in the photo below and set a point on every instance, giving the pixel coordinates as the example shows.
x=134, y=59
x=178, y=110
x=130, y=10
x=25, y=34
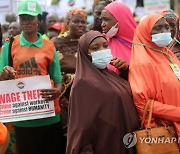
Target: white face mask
x=162, y=39
x=113, y=31
x=101, y=58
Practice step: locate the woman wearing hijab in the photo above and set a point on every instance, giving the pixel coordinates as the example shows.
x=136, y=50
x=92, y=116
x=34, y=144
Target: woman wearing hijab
x=173, y=21
x=118, y=24
x=101, y=109
x=154, y=72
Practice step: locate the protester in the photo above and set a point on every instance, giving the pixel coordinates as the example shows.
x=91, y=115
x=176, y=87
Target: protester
x=10, y=17
x=4, y=138
x=119, y=25
x=42, y=25
x=101, y=108
x=97, y=7
x=30, y=51
x=50, y=20
x=66, y=45
x=173, y=21
x=74, y=27
x=154, y=71
x=4, y=30
x=54, y=30
x=14, y=29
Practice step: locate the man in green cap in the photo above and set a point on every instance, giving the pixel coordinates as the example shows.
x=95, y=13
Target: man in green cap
x=33, y=56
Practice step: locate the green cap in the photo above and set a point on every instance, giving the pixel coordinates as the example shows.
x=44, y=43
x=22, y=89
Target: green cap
x=30, y=7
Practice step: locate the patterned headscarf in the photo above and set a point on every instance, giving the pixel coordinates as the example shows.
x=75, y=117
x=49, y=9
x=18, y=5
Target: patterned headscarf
x=170, y=14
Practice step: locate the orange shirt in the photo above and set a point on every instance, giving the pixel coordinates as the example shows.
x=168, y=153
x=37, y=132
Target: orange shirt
x=29, y=61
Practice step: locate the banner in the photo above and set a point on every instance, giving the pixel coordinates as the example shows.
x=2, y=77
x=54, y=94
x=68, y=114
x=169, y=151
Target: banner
x=154, y=6
x=131, y=3
x=5, y=5
x=20, y=99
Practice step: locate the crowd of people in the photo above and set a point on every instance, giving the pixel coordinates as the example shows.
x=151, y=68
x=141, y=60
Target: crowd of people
x=102, y=76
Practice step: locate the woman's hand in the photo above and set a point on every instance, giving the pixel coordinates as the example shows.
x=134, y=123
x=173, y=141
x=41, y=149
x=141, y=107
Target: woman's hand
x=120, y=64
x=8, y=73
x=51, y=94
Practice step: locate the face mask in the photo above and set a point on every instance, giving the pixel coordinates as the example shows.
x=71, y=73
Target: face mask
x=113, y=31
x=101, y=58
x=162, y=39
x=90, y=19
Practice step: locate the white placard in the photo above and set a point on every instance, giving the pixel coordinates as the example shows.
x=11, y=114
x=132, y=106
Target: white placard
x=20, y=99
x=156, y=6
x=5, y=5
x=131, y=3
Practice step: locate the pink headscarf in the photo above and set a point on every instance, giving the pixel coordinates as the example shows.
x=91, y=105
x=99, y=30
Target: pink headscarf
x=121, y=43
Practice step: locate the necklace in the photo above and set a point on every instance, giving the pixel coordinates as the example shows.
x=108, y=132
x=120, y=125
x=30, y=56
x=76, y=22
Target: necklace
x=177, y=40
x=74, y=39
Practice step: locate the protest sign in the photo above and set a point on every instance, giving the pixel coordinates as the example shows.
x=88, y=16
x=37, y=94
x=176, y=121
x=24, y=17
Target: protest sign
x=154, y=6
x=5, y=5
x=20, y=99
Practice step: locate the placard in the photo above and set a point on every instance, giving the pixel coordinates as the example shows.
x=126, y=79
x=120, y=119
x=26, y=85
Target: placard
x=5, y=5
x=154, y=6
x=20, y=99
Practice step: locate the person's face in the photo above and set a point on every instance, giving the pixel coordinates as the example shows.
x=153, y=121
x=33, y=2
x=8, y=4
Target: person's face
x=108, y=21
x=11, y=18
x=161, y=26
x=51, y=20
x=100, y=43
x=52, y=34
x=172, y=24
x=14, y=29
x=77, y=25
x=97, y=14
x=29, y=24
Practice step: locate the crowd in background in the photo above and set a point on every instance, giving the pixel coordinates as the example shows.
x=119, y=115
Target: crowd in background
x=103, y=73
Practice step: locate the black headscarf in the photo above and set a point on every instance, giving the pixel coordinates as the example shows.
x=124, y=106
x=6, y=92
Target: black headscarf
x=101, y=109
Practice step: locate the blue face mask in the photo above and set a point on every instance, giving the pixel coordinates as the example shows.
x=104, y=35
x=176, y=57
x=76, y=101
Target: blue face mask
x=162, y=39
x=101, y=58
x=113, y=31
x=90, y=19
